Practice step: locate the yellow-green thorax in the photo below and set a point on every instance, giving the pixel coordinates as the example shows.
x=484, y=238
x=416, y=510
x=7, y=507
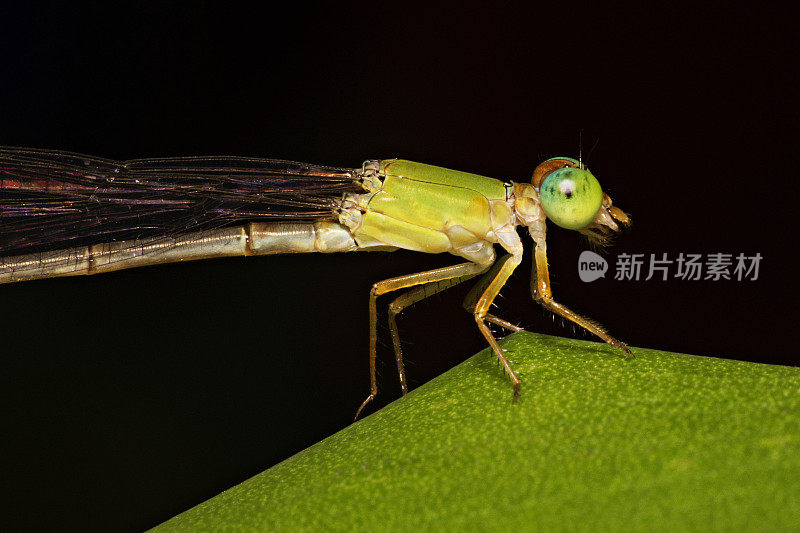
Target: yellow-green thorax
x=432, y=209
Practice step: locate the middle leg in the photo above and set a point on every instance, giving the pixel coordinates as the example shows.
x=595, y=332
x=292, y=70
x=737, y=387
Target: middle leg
x=484, y=302
x=471, y=300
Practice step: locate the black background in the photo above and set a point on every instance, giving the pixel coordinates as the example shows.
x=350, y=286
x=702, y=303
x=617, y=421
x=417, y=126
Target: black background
x=132, y=396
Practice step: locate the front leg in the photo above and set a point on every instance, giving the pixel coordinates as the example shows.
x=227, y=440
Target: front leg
x=543, y=295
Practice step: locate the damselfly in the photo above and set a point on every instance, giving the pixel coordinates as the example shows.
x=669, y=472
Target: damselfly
x=65, y=214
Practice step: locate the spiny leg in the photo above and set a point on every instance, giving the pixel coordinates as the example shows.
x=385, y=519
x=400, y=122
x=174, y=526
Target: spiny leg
x=402, y=282
x=543, y=295
x=471, y=300
x=408, y=299
x=484, y=302
x=505, y=324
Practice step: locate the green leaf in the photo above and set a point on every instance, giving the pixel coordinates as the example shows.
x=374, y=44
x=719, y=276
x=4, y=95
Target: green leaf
x=663, y=442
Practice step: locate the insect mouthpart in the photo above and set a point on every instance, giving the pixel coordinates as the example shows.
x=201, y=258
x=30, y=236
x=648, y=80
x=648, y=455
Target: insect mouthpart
x=608, y=221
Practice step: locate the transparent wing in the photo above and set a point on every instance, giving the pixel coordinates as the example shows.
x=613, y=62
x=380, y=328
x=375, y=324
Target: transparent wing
x=51, y=200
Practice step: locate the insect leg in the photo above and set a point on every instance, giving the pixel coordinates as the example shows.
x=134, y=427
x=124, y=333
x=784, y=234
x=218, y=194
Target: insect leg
x=408, y=299
x=402, y=282
x=543, y=295
x=485, y=300
x=471, y=300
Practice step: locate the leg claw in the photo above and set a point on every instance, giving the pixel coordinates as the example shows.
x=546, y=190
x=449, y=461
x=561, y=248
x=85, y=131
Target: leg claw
x=624, y=347
x=364, y=404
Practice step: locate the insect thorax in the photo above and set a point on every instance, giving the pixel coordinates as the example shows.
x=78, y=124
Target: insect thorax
x=424, y=208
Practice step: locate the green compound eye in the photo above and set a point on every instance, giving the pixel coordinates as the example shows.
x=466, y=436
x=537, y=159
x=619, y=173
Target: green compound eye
x=571, y=197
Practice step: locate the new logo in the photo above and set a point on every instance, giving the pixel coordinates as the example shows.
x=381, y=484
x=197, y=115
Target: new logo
x=591, y=266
